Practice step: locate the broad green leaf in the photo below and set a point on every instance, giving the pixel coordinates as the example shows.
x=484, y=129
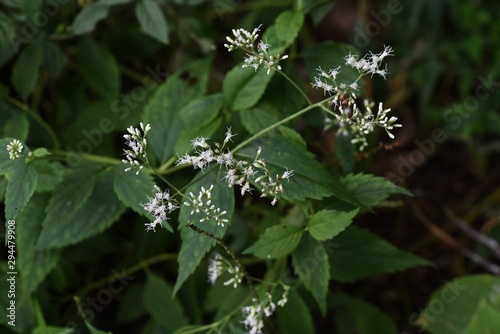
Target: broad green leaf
x=288, y=25
x=370, y=190
x=54, y=59
x=7, y=35
x=195, y=245
x=361, y=254
x=201, y=116
x=466, y=305
x=93, y=216
x=50, y=173
x=133, y=189
x=260, y=117
x=243, y=87
x=354, y=315
x=152, y=20
x=326, y=224
x=25, y=70
x=94, y=330
x=310, y=262
x=88, y=17
x=276, y=241
x=34, y=264
x=163, y=307
x=162, y=109
x=345, y=151
x=41, y=152
x=17, y=127
x=21, y=186
x=99, y=68
x=301, y=321
x=310, y=180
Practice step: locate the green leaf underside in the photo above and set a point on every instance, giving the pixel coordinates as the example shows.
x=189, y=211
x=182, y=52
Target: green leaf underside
x=301, y=322
x=195, y=245
x=34, y=264
x=328, y=223
x=276, y=241
x=162, y=109
x=19, y=190
x=360, y=253
x=164, y=309
x=310, y=262
x=152, y=21
x=466, y=305
x=133, y=189
x=243, y=87
x=357, y=316
x=310, y=179
x=94, y=214
x=370, y=190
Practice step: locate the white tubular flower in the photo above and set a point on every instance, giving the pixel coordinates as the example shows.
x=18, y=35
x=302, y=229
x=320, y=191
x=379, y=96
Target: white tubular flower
x=159, y=206
x=253, y=318
x=15, y=148
x=215, y=268
x=136, y=155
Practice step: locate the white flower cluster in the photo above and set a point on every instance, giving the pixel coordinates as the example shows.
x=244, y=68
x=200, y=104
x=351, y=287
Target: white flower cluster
x=255, y=58
x=217, y=265
x=160, y=205
x=238, y=172
x=361, y=124
x=15, y=148
x=254, y=314
x=350, y=119
x=136, y=141
x=203, y=204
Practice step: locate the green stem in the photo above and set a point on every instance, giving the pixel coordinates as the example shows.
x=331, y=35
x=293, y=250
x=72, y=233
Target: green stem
x=284, y=120
x=59, y=155
x=36, y=117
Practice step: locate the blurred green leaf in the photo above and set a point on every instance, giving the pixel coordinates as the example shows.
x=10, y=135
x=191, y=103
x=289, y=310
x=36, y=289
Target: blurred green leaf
x=26, y=69
x=163, y=307
x=310, y=262
x=361, y=254
x=50, y=173
x=301, y=322
x=152, y=20
x=466, y=305
x=17, y=127
x=88, y=17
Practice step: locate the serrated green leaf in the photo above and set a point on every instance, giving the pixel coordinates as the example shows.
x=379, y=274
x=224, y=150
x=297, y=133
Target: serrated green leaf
x=276, y=241
x=466, y=305
x=370, y=190
x=260, y=117
x=243, y=87
x=288, y=25
x=301, y=321
x=34, y=264
x=361, y=254
x=99, y=68
x=195, y=245
x=21, y=186
x=97, y=213
x=50, y=173
x=162, y=109
x=152, y=20
x=354, y=315
x=163, y=307
x=345, y=151
x=310, y=180
x=133, y=189
x=17, y=127
x=326, y=224
x=88, y=17
x=25, y=70
x=310, y=262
